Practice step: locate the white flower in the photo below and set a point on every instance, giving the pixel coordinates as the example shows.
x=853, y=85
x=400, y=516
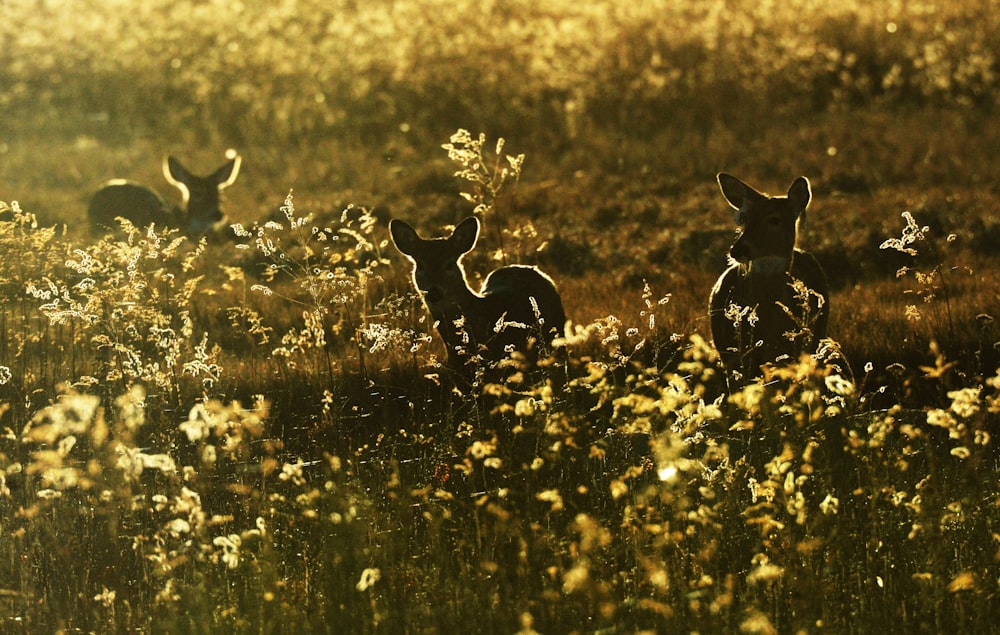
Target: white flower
x=230, y=549
x=368, y=579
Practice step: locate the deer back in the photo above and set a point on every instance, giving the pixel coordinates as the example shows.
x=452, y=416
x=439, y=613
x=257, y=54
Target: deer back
x=520, y=300
x=198, y=214
x=139, y=204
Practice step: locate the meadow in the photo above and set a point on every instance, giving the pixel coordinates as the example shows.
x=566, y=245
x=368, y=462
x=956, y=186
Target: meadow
x=256, y=432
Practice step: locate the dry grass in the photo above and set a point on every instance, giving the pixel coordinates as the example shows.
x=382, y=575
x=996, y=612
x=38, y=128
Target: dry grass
x=258, y=434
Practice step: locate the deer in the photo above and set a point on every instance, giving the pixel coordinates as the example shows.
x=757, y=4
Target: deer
x=517, y=309
x=198, y=214
x=771, y=304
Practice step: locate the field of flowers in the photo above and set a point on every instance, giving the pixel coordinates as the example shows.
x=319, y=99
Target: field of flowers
x=256, y=432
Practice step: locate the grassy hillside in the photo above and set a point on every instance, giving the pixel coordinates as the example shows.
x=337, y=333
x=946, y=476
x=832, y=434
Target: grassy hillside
x=256, y=433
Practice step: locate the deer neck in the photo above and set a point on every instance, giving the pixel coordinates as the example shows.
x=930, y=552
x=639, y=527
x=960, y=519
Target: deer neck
x=460, y=307
x=769, y=267
x=460, y=324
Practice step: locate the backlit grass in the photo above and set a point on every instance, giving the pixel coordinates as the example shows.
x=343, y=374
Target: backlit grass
x=258, y=432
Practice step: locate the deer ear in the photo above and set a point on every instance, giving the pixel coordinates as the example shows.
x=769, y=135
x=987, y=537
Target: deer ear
x=465, y=235
x=174, y=172
x=403, y=236
x=738, y=194
x=226, y=175
x=733, y=189
x=178, y=176
x=799, y=194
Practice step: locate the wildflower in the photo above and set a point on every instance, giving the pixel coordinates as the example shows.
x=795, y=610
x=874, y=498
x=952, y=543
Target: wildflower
x=757, y=622
x=293, y=472
x=576, y=578
x=829, y=505
x=368, y=579
x=230, y=549
x=133, y=461
x=964, y=402
x=162, y=462
x=667, y=473
x=912, y=233
x=840, y=386
x=944, y=419
x=618, y=488
x=765, y=572
x=197, y=425
x=964, y=581
x=480, y=450
x=551, y=496
x=106, y=597
x=178, y=526
x=66, y=445
x=71, y=415
x=524, y=407
x=209, y=455
x=132, y=407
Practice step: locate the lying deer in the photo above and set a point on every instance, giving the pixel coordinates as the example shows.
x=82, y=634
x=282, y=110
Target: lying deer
x=771, y=304
x=517, y=308
x=198, y=214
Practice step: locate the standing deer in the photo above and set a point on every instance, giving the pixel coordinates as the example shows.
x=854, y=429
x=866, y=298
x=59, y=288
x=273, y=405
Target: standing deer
x=197, y=215
x=771, y=303
x=516, y=307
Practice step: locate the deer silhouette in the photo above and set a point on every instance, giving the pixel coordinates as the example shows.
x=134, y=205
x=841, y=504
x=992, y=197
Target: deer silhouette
x=198, y=214
x=517, y=309
x=771, y=304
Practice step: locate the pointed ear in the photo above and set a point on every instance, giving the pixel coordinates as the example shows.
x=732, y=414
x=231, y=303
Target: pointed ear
x=465, y=235
x=178, y=176
x=735, y=190
x=799, y=194
x=226, y=175
x=174, y=172
x=403, y=236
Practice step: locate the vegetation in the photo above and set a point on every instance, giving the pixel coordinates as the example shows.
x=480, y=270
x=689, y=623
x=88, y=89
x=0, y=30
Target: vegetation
x=257, y=432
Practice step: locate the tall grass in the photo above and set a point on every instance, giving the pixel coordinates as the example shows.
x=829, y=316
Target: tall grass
x=550, y=70
x=260, y=435
x=361, y=488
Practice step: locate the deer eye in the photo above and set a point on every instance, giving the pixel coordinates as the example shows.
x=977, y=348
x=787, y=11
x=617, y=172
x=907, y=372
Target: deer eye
x=740, y=217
